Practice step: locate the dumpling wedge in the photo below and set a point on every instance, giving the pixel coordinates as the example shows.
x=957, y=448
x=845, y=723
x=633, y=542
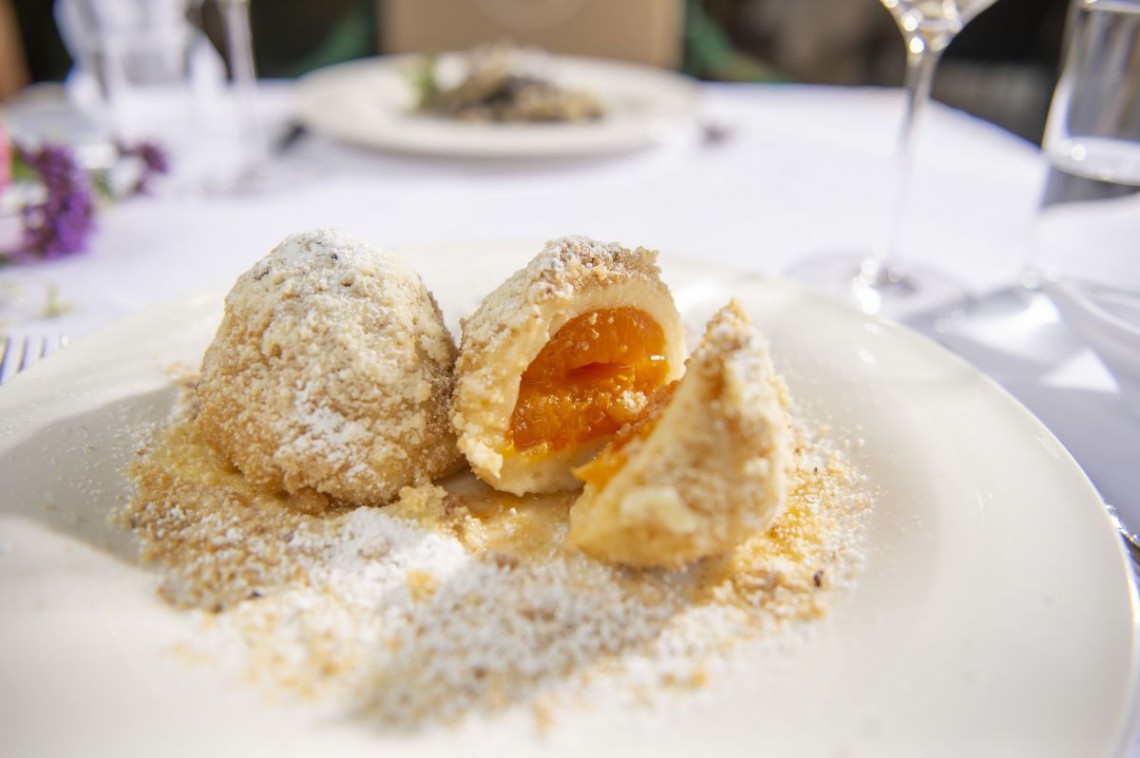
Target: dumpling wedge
x=704, y=469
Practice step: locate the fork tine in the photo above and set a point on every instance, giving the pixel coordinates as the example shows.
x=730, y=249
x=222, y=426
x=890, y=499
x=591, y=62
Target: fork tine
x=26, y=356
x=50, y=345
x=17, y=354
x=4, y=355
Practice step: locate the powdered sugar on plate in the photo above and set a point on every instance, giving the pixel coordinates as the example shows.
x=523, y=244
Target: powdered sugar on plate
x=457, y=602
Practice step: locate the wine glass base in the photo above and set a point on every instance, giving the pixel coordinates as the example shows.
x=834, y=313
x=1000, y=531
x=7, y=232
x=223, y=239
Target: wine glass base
x=895, y=292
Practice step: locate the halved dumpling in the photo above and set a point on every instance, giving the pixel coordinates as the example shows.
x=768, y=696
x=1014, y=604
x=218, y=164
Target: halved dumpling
x=704, y=469
x=558, y=358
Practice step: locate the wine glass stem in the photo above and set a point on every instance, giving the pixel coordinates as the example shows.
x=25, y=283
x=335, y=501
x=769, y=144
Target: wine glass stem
x=921, y=61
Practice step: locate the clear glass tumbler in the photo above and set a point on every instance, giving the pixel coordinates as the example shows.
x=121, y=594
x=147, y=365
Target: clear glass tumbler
x=1087, y=249
x=146, y=70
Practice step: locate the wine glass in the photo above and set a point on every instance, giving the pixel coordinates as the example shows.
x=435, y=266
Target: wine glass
x=879, y=281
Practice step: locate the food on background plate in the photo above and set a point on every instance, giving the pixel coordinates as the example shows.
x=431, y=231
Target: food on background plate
x=501, y=83
x=330, y=375
x=558, y=358
x=703, y=470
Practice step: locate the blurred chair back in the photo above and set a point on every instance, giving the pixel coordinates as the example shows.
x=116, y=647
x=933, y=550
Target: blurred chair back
x=641, y=31
x=13, y=68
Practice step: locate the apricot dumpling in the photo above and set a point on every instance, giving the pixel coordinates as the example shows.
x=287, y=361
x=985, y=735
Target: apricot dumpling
x=330, y=374
x=558, y=358
x=705, y=467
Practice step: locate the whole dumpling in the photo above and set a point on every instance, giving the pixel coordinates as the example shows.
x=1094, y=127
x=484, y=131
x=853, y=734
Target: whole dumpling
x=331, y=372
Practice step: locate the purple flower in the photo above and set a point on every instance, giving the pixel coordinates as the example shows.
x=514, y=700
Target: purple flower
x=60, y=224
x=154, y=163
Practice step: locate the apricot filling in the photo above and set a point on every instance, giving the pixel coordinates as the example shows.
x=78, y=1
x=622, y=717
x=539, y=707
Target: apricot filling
x=612, y=458
x=595, y=375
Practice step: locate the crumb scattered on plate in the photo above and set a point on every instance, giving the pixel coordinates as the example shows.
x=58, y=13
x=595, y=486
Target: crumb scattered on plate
x=457, y=601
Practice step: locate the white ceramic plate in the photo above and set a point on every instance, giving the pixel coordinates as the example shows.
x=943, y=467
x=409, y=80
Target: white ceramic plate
x=369, y=103
x=995, y=614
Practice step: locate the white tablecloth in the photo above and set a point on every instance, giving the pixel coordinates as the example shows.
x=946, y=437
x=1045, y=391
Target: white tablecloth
x=801, y=172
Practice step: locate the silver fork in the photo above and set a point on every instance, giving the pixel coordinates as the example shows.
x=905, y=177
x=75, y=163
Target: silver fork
x=1131, y=540
x=17, y=354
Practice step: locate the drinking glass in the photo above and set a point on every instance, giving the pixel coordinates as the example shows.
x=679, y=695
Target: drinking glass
x=146, y=70
x=253, y=144
x=879, y=281
x=1086, y=255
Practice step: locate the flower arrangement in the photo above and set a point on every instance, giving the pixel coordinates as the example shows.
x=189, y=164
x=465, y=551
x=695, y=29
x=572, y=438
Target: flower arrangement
x=60, y=216
x=51, y=199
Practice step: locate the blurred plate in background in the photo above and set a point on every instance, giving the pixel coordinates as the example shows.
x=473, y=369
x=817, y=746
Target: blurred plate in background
x=370, y=103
